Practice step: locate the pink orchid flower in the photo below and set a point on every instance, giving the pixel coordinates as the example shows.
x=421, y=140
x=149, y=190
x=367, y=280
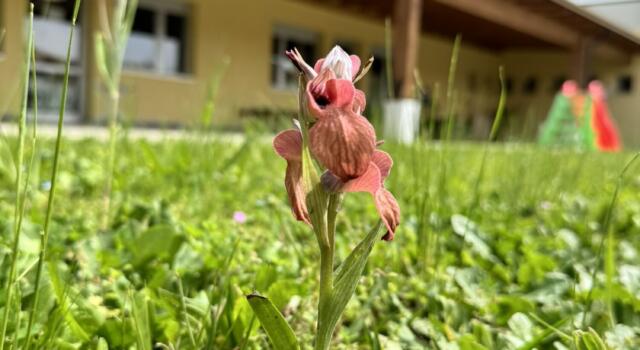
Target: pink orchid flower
x=340, y=139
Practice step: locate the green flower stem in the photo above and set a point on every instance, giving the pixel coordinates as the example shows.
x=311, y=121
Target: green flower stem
x=327, y=250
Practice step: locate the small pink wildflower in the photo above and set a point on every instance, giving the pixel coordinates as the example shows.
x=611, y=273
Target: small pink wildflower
x=239, y=217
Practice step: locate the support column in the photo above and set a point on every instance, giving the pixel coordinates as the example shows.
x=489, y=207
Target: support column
x=407, y=21
x=581, y=61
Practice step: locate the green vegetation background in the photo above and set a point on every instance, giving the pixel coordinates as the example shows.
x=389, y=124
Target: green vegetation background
x=494, y=268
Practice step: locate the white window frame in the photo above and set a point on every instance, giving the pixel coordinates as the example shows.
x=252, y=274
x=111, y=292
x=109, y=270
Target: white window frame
x=161, y=9
x=78, y=69
x=283, y=33
x=3, y=28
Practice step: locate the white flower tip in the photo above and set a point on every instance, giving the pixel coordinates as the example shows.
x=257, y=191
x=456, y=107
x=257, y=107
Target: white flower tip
x=339, y=62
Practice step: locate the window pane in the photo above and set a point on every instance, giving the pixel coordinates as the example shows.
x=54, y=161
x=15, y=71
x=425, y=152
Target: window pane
x=530, y=86
x=58, y=10
x=142, y=48
x=625, y=84
x=52, y=24
x=283, y=73
x=174, y=45
x=145, y=21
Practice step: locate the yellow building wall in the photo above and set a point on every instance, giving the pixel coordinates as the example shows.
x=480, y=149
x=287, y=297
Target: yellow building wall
x=240, y=32
x=11, y=17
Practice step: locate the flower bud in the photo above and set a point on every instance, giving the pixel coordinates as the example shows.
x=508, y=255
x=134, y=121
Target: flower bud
x=339, y=62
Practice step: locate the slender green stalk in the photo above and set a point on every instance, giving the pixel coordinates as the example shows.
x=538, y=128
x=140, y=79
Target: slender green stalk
x=44, y=238
x=34, y=141
x=444, y=152
x=326, y=282
x=325, y=329
x=494, y=131
x=183, y=305
x=451, y=83
x=435, y=98
x=111, y=48
x=497, y=120
x=609, y=239
x=111, y=158
x=20, y=197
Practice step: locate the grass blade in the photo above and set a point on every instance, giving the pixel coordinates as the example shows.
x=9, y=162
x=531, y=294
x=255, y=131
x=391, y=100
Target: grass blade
x=54, y=176
x=141, y=322
x=20, y=196
x=608, y=237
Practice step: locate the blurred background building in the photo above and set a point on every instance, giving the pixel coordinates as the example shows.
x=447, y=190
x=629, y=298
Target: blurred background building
x=183, y=51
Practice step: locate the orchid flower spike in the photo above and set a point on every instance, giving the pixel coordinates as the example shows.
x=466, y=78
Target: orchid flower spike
x=341, y=139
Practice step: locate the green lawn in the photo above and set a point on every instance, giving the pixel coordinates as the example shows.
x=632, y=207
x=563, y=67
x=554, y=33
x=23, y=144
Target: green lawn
x=479, y=262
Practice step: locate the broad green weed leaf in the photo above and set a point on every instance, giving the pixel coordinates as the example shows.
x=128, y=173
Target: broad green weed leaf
x=158, y=241
x=622, y=337
x=280, y=333
x=468, y=230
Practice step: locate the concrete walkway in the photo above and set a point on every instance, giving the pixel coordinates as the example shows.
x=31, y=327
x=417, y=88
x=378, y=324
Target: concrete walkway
x=80, y=131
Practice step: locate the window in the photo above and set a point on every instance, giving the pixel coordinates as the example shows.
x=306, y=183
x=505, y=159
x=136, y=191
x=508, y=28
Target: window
x=508, y=84
x=283, y=74
x=530, y=86
x=158, y=41
x=625, y=84
x=51, y=26
x=557, y=83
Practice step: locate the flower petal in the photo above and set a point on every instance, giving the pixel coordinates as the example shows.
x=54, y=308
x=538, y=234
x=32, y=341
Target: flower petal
x=340, y=93
x=384, y=162
x=288, y=145
x=296, y=192
x=389, y=211
x=338, y=61
x=318, y=66
x=355, y=66
x=302, y=66
x=317, y=98
x=343, y=142
x=386, y=204
x=359, y=102
x=370, y=181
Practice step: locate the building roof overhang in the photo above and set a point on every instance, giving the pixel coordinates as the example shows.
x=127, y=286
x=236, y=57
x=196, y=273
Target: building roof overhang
x=507, y=24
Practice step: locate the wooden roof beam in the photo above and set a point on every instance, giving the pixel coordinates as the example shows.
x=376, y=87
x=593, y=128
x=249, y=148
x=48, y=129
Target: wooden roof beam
x=515, y=17
x=407, y=17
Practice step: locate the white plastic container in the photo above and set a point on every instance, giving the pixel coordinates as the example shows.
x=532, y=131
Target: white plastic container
x=401, y=120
